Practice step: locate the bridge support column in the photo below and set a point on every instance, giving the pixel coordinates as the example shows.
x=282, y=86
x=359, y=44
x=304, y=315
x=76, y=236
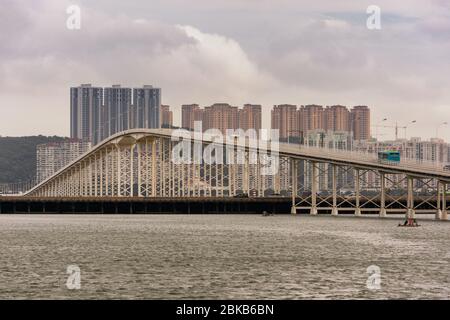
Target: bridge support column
x=139, y=169
x=357, y=193
x=154, y=175
x=118, y=173
x=383, y=212
x=439, y=204
x=131, y=159
x=410, y=213
x=444, y=215
x=314, y=184
x=294, y=185
x=334, y=210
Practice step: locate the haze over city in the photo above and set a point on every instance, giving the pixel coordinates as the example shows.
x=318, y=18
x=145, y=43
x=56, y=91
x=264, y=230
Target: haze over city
x=228, y=51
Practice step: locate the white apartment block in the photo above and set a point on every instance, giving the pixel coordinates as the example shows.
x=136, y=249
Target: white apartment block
x=51, y=157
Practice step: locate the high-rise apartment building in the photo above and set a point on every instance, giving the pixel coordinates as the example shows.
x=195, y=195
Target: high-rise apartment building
x=147, y=107
x=293, y=122
x=360, y=122
x=285, y=118
x=311, y=118
x=86, y=113
x=250, y=117
x=117, y=102
x=189, y=114
x=337, y=118
x=51, y=157
x=166, y=117
x=97, y=113
x=222, y=116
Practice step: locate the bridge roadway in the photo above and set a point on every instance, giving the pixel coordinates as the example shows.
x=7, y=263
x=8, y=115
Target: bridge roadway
x=177, y=205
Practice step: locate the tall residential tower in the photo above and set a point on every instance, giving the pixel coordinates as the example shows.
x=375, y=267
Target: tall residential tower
x=117, y=103
x=85, y=113
x=97, y=113
x=147, y=107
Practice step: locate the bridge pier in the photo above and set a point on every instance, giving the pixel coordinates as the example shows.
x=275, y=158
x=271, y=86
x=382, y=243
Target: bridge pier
x=334, y=210
x=410, y=212
x=444, y=213
x=383, y=212
x=293, y=210
x=294, y=186
x=314, y=185
x=439, y=202
x=357, y=193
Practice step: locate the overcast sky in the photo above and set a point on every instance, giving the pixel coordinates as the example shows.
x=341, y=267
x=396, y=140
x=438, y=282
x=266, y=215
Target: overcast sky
x=235, y=51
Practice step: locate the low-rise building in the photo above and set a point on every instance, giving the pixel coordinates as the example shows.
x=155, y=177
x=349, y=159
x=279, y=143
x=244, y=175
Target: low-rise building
x=51, y=157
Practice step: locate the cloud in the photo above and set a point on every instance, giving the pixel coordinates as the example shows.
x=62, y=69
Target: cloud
x=190, y=65
x=226, y=51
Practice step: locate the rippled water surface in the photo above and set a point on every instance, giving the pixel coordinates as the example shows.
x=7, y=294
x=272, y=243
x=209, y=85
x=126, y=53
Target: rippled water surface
x=221, y=257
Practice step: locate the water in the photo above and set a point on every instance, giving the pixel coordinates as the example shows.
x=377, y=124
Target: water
x=221, y=257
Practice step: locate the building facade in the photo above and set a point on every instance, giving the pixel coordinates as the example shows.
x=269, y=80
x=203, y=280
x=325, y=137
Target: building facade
x=117, y=103
x=222, y=116
x=296, y=123
x=360, y=123
x=250, y=117
x=285, y=118
x=337, y=118
x=166, y=117
x=97, y=113
x=86, y=103
x=190, y=113
x=51, y=157
x=147, y=107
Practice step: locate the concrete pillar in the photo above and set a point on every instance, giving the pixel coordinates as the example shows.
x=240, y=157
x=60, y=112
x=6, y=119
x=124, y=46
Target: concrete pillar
x=439, y=205
x=410, y=212
x=132, y=170
x=383, y=212
x=139, y=169
x=444, y=215
x=334, y=210
x=118, y=180
x=294, y=185
x=357, y=193
x=314, y=186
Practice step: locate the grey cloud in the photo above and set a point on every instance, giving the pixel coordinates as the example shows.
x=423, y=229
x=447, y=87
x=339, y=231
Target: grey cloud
x=238, y=51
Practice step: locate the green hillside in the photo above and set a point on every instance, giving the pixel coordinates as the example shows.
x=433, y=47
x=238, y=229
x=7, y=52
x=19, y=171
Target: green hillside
x=18, y=157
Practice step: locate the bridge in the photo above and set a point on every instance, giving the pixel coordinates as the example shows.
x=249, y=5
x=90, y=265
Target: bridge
x=146, y=164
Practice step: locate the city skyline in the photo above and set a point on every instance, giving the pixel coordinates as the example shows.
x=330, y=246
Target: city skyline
x=328, y=56
x=97, y=113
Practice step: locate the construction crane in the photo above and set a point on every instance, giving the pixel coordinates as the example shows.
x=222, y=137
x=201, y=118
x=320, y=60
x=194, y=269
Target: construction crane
x=397, y=127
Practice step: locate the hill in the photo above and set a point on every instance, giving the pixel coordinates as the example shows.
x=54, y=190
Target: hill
x=18, y=157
